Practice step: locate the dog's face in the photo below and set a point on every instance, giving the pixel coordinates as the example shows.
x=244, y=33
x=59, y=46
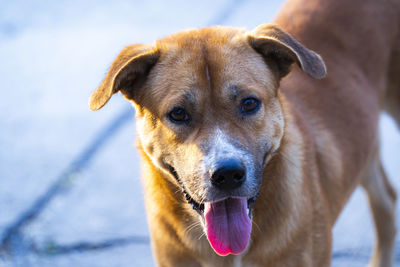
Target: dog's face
x=209, y=114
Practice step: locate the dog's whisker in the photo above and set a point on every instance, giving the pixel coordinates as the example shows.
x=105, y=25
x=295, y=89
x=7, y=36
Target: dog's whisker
x=178, y=191
x=203, y=198
x=258, y=227
x=191, y=227
x=203, y=234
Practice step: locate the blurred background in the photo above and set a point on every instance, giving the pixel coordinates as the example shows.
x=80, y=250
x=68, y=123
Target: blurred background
x=70, y=191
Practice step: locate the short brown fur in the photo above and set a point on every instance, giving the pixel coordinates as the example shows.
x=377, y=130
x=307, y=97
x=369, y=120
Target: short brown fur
x=313, y=141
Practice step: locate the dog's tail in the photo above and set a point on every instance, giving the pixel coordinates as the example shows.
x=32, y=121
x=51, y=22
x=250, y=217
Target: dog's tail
x=392, y=98
x=392, y=101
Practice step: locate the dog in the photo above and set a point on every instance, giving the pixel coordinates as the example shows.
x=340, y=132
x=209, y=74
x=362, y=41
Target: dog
x=245, y=164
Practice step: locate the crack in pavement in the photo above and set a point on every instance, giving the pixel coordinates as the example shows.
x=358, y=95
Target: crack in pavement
x=13, y=232
x=53, y=249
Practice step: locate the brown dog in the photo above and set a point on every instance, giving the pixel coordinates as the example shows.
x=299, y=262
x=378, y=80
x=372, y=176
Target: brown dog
x=218, y=127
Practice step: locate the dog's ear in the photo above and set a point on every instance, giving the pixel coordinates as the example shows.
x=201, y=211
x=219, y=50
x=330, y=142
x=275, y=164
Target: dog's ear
x=127, y=72
x=279, y=47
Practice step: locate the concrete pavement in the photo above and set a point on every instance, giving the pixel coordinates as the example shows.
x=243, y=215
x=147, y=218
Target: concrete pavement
x=54, y=54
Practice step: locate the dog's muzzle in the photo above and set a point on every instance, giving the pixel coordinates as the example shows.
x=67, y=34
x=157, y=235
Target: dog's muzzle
x=221, y=176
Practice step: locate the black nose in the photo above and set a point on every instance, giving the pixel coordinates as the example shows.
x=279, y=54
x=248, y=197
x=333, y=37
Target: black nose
x=229, y=175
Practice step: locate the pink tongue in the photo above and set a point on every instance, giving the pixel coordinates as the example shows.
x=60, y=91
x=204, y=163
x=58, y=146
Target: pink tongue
x=228, y=225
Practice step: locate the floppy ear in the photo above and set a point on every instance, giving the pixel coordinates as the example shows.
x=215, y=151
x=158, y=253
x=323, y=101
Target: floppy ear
x=126, y=73
x=279, y=47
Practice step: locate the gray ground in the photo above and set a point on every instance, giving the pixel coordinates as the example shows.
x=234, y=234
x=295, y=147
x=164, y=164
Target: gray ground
x=53, y=55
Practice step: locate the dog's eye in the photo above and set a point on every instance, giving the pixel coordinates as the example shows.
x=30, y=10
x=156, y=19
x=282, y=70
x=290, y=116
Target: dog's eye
x=178, y=115
x=250, y=105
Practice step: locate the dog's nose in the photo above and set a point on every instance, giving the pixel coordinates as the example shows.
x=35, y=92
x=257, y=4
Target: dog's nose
x=230, y=175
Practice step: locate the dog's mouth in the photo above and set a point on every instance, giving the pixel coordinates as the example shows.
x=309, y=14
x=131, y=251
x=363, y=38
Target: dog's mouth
x=227, y=222
x=199, y=207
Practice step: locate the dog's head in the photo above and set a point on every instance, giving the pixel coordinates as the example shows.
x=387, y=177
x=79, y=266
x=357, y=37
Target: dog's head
x=209, y=114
